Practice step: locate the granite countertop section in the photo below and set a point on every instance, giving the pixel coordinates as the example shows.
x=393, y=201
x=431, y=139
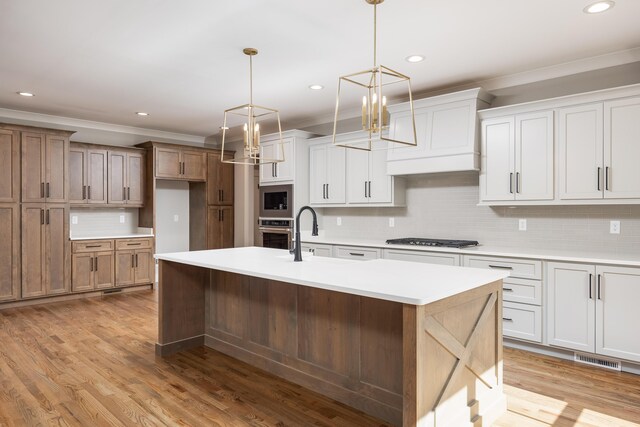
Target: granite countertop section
x=400, y=281
x=590, y=257
x=113, y=236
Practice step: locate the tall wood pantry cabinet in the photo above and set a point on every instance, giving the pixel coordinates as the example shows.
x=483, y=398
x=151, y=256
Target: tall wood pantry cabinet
x=220, y=183
x=9, y=214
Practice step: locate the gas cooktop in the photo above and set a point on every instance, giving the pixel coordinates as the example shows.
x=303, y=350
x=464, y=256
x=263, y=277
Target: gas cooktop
x=432, y=242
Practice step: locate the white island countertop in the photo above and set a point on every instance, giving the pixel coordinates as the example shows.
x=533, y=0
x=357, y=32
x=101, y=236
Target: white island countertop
x=400, y=281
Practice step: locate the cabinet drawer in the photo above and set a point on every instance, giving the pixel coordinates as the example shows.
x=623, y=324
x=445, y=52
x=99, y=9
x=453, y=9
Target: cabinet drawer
x=317, y=249
x=92, y=246
x=522, y=290
x=521, y=321
x=415, y=256
x=519, y=268
x=133, y=244
x=352, y=252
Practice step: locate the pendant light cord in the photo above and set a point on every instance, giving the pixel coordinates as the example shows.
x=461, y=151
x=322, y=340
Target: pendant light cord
x=251, y=79
x=375, y=33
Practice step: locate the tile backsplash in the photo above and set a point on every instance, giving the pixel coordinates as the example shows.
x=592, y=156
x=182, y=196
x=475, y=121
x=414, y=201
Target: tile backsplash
x=102, y=222
x=445, y=206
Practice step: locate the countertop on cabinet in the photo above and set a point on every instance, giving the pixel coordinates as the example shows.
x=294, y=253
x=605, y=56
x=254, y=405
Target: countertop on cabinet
x=400, y=281
x=114, y=236
x=589, y=257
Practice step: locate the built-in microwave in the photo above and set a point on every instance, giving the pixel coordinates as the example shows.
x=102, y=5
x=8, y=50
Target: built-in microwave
x=276, y=201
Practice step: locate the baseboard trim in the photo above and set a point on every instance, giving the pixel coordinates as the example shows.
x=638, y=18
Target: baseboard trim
x=164, y=350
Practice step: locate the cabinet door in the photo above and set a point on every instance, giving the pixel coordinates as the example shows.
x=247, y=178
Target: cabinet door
x=357, y=176
x=125, y=261
x=571, y=306
x=214, y=227
x=226, y=227
x=622, y=149
x=9, y=166
x=135, y=178
x=534, y=156
x=103, y=270
x=33, y=277
x=193, y=165
x=284, y=170
x=498, y=158
x=167, y=162
x=144, y=266
x=57, y=249
x=56, y=166
x=82, y=272
x=580, y=143
x=219, y=181
x=401, y=129
x=78, y=170
x=379, y=188
x=9, y=252
x=335, y=174
x=117, y=165
x=617, y=312
x=318, y=165
x=33, y=176
x=267, y=170
x=452, y=129
x=97, y=176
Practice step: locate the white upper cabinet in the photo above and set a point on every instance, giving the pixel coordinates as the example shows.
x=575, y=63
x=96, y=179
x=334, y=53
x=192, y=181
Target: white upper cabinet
x=326, y=174
x=446, y=130
x=281, y=172
x=517, y=157
x=578, y=149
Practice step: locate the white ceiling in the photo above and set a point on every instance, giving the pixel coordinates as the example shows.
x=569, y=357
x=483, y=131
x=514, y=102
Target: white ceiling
x=181, y=61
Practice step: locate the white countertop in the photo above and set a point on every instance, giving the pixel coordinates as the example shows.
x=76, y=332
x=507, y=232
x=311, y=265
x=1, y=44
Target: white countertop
x=590, y=257
x=400, y=281
x=112, y=236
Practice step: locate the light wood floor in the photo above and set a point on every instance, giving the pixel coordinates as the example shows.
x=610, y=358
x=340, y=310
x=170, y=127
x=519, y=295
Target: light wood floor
x=91, y=363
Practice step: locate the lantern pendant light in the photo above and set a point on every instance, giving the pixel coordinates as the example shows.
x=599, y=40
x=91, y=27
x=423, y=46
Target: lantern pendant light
x=368, y=89
x=250, y=116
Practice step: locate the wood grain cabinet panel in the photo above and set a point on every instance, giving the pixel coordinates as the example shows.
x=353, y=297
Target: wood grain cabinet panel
x=167, y=163
x=9, y=166
x=9, y=252
x=33, y=165
x=134, y=263
x=33, y=242
x=44, y=168
x=96, y=181
x=144, y=266
x=82, y=272
x=124, y=268
x=56, y=250
x=78, y=170
x=135, y=179
x=219, y=227
x=176, y=163
x=103, y=272
x=220, y=181
x=194, y=165
x=56, y=167
x=126, y=178
x=272, y=315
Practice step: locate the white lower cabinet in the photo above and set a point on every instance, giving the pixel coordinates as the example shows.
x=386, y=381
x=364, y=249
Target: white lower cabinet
x=356, y=252
x=522, y=321
x=416, y=256
x=594, y=309
x=317, y=249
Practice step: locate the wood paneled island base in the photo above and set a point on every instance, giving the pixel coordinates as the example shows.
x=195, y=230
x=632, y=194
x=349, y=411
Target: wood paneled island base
x=438, y=364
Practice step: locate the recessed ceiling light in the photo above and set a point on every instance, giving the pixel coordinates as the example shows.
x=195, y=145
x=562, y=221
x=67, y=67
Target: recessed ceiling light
x=415, y=58
x=140, y=113
x=316, y=87
x=29, y=94
x=599, y=6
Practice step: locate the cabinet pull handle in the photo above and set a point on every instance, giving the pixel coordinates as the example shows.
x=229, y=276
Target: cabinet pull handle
x=124, y=193
x=48, y=192
x=511, y=182
x=507, y=289
x=136, y=260
x=134, y=244
x=93, y=246
x=504, y=267
x=275, y=167
x=41, y=216
x=133, y=260
x=84, y=192
x=517, y=182
x=91, y=264
x=89, y=192
x=47, y=221
x=365, y=189
x=324, y=193
x=599, y=286
x=507, y=319
x=42, y=189
x=95, y=260
x=606, y=178
x=128, y=193
x=590, y=285
x=356, y=254
x=598, y=177
x=369, y=189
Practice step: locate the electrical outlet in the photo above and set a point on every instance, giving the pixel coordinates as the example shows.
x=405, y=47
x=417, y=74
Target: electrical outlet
x=74, y=219
x=176, y=218
x=339, y=220
x=121, y=219
x=614, y=227
x=392, y=222
x=522, y=225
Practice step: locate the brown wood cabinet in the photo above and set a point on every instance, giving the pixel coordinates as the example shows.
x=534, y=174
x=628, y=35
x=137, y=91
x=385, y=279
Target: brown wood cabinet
x=92, y=265
x=87, y=175
x=220, y=181
x=177, y=163
x=9, y=166
x=125, y=178
x=44, y=167
x=45, y=254
x=134, y=262
x=219, y=227
x=9, y=251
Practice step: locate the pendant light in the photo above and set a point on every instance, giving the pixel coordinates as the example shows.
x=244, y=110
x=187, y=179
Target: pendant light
x=368, y=89
x=249, y=116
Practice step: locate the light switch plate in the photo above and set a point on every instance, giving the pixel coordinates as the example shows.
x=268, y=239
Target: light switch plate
x=522, y=225
x=392, y=222
x=176, y=218
x=121, y=219
x=339, y=220
x=74, y=219
x=614, y=227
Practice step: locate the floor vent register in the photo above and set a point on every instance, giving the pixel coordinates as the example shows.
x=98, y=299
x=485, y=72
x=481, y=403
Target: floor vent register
x=614, y=365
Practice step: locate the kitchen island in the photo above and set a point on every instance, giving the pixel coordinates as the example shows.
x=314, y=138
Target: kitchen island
x=411, y=343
